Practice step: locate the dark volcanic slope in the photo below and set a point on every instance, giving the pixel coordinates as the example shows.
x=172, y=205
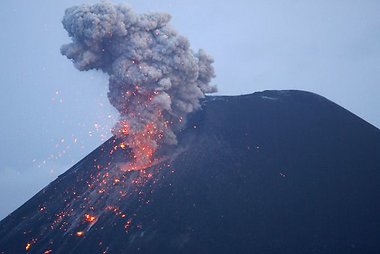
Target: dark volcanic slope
x=272, y=172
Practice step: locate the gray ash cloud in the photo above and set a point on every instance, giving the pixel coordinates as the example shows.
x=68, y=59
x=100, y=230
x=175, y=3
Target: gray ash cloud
x=154, y=75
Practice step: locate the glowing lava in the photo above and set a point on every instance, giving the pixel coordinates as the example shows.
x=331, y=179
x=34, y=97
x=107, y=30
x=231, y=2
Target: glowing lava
x=89, y=218
x=143, y=142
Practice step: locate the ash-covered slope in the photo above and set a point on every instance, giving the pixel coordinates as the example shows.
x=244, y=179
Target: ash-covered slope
x=271, y=172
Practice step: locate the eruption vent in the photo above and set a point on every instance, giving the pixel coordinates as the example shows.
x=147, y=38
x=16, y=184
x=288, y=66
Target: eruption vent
x=155, y=79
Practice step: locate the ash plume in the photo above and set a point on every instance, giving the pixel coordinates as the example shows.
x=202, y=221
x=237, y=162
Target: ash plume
x=155, y=79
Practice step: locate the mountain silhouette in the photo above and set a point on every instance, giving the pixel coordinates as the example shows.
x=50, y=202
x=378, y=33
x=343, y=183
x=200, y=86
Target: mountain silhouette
x=270, y=172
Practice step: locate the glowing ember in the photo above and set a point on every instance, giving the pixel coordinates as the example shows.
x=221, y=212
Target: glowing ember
x=79, y=233
x=89, y=218
x=27, y=247
x=127, y=225
x=144, y=145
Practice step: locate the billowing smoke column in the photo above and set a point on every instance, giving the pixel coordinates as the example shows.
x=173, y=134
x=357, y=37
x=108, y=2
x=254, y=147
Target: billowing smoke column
x=155, y=79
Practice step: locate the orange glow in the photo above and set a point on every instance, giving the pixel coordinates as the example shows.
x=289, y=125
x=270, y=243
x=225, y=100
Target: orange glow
x=122, y=146
x=48, y=251
x=89, y=218
x=127, y=225
x=144, y=145
x=124, y=128
x=27, y=247
x=79, y=233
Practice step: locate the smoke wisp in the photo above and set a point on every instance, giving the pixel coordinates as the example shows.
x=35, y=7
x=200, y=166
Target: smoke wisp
x=155, y=79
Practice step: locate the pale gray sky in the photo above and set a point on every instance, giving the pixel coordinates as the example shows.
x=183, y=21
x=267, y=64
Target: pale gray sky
x=53, y=115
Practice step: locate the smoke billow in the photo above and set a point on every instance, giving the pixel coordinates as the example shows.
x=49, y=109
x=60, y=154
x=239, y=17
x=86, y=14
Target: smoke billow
x=155, y=79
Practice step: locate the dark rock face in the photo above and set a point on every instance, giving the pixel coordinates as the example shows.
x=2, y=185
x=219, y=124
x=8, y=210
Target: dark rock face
x=272, y=172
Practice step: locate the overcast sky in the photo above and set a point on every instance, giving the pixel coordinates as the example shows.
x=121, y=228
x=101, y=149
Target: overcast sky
x=52, y=115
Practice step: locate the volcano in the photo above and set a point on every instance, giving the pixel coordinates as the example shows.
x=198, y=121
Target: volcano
x=269, y=172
